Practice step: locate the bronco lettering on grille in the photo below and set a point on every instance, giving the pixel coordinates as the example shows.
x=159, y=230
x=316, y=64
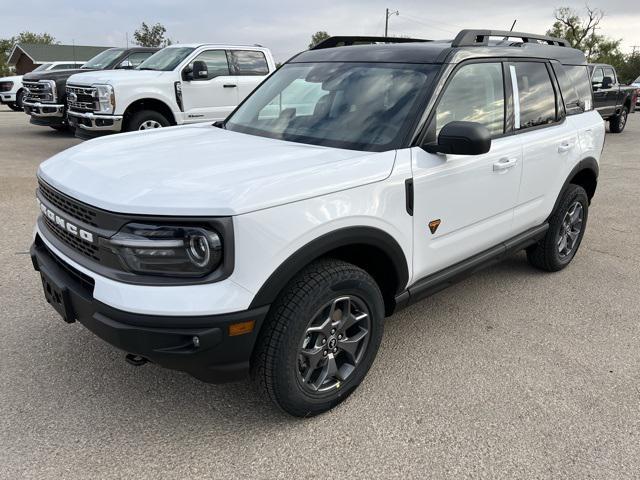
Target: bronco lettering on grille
x=64, y=224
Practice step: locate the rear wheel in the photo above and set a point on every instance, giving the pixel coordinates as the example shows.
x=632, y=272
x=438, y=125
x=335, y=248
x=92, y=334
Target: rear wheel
x=320, y=338
x=567, y=225
x=617, y=123
x=146, y=120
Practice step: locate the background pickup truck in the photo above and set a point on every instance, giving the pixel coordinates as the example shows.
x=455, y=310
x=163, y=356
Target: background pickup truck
x=45, y=98
x=614, y=101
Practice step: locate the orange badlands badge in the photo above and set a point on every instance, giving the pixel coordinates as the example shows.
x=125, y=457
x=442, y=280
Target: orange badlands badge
x=434, y=224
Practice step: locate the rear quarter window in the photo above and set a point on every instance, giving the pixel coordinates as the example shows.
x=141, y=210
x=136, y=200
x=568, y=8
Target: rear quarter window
x=576, y=88
x=534, y=95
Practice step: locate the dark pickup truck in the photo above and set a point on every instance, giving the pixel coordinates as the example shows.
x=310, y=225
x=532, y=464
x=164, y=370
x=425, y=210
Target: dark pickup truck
x=45, y=98
x=614, y=101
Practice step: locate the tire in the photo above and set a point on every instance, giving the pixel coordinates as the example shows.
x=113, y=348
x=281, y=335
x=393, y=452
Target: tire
x=17, y=106
x=14, y=107
x=308, y=311
x=146, y=118
x=59, y=128
x=617, y=123
x=556, y=250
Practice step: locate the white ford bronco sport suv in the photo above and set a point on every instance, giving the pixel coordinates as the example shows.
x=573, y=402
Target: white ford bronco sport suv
x=179, y=84
x=354, y=181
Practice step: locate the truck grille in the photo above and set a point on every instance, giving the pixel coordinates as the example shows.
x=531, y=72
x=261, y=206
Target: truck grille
x=72, y=241
x=81, y=99
x=68, y=205
x=41, y=91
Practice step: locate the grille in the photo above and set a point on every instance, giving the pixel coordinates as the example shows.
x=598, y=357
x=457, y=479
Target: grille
x=69, y=206
x=72, y=241
x=84, y=98
x=39, y=91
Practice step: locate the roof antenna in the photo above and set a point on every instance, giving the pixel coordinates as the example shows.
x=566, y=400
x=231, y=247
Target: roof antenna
x=511, y=30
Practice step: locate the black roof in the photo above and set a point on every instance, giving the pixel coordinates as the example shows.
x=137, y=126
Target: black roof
x=468, y=44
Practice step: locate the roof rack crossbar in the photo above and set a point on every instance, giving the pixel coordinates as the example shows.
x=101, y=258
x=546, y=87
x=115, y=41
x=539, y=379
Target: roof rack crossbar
x=345, y=41
x=474, y=38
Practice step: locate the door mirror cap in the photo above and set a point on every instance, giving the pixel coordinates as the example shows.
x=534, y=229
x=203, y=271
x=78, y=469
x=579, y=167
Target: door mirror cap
x=200, y=70
x=462, y=138
x=607, y=82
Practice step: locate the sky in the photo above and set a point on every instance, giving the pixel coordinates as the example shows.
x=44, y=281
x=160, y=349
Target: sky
x=286, y=26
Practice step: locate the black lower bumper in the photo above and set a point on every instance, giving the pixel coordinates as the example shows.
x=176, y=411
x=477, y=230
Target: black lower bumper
x=200, y=346
x=47, y=121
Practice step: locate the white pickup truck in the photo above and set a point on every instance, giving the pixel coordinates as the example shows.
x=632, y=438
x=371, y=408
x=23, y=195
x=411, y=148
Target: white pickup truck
x=178, y=85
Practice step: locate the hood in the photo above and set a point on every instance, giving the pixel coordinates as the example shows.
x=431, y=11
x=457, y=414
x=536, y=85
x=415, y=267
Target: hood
x=57, y=75
x=15, y=78
x=204, y=170
x=115, y=77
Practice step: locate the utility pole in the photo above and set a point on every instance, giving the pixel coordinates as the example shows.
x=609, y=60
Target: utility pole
x=386, y=21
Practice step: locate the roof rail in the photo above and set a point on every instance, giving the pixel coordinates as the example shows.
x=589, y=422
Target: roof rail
x=474, y=38
x=346, y=41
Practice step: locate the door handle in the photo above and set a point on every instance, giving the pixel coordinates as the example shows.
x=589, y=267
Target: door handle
x=505, y=164
x=564, y=147
x=229, y=85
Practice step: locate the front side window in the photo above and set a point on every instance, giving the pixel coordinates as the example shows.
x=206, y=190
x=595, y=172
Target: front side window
x=609, y=72
x=359, y=106
x=534, y=95
x=598, y=76
x=104, y=59
x=216, y=61
x=248, y=62
x=574, y=84
x=474, y=94
x=166, y=59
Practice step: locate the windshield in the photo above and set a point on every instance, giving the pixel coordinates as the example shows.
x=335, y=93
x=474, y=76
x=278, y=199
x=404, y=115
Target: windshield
x=166, y=59
x=42, y=67
x=104, y=59
x=360, y=106
x=637, y=80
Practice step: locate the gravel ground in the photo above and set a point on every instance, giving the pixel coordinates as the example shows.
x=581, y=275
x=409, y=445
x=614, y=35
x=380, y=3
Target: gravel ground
x=512, y=373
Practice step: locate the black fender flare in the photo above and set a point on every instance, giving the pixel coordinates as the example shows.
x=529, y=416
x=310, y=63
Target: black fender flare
x=344, y=237
x=587, y=164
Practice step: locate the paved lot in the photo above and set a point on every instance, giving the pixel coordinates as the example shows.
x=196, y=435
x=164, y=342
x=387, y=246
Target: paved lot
x=511, y=374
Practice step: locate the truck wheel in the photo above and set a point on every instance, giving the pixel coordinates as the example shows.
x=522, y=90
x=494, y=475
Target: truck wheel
x=320, y=338
x=567, y=225
x=14, y=107
x=617, y=123
x=146, y=120
x=17, y=107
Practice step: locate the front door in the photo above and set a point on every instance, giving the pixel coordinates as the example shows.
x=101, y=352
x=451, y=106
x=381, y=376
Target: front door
x=213, y=97
x=464, y=204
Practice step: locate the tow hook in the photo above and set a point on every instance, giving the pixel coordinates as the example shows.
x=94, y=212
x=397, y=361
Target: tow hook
x=135, y=360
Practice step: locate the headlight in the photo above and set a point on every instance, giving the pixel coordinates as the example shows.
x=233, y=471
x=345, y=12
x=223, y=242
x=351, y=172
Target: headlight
x=167, y=250
x=7, y=86
x=105, y=98
x=50, y=93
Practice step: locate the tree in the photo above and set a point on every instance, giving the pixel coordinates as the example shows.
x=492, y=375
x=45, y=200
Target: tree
x=318, y=37
x=581, y=32
x=151, y=36
x=6, y=45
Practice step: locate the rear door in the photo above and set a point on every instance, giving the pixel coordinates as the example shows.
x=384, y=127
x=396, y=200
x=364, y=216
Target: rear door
x=463, y=204
x=213, y=97
x=550, y=142
x=249, y=68
x=613, y=92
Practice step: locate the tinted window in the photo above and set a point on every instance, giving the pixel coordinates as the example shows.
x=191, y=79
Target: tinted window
x=576, y=91
x=246, y=62
x=361, y=106
x=534, y=96
x=598, y=76
x=475, y=94
x=609, y=72
x=216, y=61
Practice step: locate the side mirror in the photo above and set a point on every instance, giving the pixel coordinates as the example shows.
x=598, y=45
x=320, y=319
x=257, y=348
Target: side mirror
x=462, y=138
x=200, y=70
x=607, y=82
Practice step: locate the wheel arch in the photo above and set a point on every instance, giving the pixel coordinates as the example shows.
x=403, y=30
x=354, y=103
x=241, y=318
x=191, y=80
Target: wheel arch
x=149, y=104
x=585, y=174
x=369, y=248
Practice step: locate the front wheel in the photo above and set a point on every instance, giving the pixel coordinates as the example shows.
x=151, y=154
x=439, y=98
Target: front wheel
x=567, y=225
x=14, y=107
x=320, y=339
x=146, y=120
x=617, y=123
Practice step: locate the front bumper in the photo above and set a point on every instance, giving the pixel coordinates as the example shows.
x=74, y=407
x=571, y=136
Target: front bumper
x=214, y=357
x=7, y=97
x=44, y=110
x=95, y=123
